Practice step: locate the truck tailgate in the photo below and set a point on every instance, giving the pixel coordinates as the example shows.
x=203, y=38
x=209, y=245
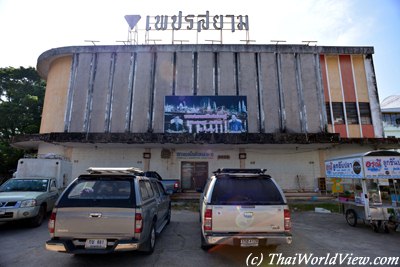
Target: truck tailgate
x=242, y=218
x=95, y=222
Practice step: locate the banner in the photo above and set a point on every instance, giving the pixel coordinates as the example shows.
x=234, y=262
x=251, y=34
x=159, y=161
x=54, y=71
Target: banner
x=371, y=167
x=344, y=168
x=382, y=167
x=205, y=114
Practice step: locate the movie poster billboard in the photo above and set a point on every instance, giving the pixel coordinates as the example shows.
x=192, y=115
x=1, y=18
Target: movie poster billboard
x=205, y=114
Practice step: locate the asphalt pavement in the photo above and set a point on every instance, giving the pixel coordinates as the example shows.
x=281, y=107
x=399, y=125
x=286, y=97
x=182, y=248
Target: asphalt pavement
x=321, y=237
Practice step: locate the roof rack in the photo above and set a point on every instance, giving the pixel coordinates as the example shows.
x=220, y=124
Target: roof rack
x=241, y=171
x=105, y=170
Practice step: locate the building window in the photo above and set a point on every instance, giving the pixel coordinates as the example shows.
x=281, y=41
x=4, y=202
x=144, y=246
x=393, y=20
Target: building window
x=391, y=119
x=365, y=113
x=328, y=112
x=351, y=113
x=338, y=114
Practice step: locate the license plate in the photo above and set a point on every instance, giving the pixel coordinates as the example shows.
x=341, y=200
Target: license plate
x=96, y=243
x=249, y=242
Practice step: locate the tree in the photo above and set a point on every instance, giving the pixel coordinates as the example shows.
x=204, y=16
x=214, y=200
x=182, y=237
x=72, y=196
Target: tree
x=21, y=102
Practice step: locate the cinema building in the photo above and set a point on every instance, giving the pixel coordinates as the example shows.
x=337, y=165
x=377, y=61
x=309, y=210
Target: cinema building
x=187, y=110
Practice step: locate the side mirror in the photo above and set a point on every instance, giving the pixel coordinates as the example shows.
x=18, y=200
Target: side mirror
x=53, y=189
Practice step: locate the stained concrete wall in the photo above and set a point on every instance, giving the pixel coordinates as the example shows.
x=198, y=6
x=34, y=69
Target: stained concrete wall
x=122, y=88
x=292, y=169
x=55, y=101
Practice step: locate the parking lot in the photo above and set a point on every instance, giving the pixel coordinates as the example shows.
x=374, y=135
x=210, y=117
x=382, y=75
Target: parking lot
x=315, y=235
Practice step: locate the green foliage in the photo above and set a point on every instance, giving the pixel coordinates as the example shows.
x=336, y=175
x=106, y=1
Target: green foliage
x=186, y=205
x=8, y=159
x=21, y=102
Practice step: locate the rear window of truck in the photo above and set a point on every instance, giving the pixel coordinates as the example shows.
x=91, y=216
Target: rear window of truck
x=99, y=192
x=246, y=191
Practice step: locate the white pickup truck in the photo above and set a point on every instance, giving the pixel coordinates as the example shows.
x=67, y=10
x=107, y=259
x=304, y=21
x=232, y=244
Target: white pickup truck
x=27, y=199
x=244, y=207
x=34, y=190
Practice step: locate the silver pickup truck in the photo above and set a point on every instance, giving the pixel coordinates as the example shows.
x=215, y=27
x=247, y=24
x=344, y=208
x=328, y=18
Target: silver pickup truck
x=27, y=199
x=109, y=210
x=244, y=207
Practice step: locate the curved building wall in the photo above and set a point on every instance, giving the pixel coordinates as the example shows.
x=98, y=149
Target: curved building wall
x=118, y=89
x=55, y=99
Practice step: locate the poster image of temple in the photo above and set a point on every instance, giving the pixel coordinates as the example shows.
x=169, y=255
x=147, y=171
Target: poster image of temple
x=205, y=114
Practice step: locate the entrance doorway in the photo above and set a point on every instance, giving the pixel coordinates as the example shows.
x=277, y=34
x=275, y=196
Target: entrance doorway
x=194, y=174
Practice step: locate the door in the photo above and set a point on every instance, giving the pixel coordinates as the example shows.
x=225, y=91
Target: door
x=162, y=203
x=194, y=175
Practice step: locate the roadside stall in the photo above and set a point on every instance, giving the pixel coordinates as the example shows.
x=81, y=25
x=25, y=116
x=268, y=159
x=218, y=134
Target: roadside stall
x=374, y=191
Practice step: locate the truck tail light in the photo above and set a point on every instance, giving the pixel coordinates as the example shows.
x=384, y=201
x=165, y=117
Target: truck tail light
x=138, y=223
x=176, y=185
x=208, y=220
x=287, y=221
x=52, y=222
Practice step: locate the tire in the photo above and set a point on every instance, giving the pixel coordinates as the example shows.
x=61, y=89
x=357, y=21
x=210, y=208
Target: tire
x=204, y=246
x=351, y=218
x=39, y=218
x=150, y=243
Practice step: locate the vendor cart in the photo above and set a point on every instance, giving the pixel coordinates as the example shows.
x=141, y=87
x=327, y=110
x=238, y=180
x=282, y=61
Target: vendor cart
x=374, y=196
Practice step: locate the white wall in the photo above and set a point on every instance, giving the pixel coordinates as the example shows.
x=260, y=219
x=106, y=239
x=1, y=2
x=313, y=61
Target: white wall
x=293, y=168
x=83, y=158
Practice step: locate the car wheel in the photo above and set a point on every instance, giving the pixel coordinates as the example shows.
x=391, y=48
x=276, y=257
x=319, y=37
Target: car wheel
x=351, y=217
x=150, y=243
x=204, y=245
x=38, y=219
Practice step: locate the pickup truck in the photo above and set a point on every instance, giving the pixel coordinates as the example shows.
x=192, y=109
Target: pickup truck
x=170, y=185
x=244, y=207
x=27, y=199
x=109, y=210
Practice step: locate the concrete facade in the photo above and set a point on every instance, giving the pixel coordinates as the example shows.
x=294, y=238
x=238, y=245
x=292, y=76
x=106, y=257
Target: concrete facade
x=104, y=106
x=391, y=116
x=113, y=90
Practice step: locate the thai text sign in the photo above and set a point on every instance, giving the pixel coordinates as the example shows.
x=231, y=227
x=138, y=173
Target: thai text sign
x=205, y=114
x=344, y=168
x=199, y=22
x=376, y=167
x=382, y=167
x=194, y=155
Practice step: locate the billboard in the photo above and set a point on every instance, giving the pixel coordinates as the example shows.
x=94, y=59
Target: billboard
x=382, y=167
x=205, y=114
x=344, y=168
x=371, y=167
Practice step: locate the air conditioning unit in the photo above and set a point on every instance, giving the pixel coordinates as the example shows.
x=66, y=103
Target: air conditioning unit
x=165, y=153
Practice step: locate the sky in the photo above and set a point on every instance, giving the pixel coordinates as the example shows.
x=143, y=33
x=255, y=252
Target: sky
x=30, y=27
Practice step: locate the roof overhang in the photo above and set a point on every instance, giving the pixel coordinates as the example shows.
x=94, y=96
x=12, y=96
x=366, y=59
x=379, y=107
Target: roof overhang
x=46, y=58
x=245, y=140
